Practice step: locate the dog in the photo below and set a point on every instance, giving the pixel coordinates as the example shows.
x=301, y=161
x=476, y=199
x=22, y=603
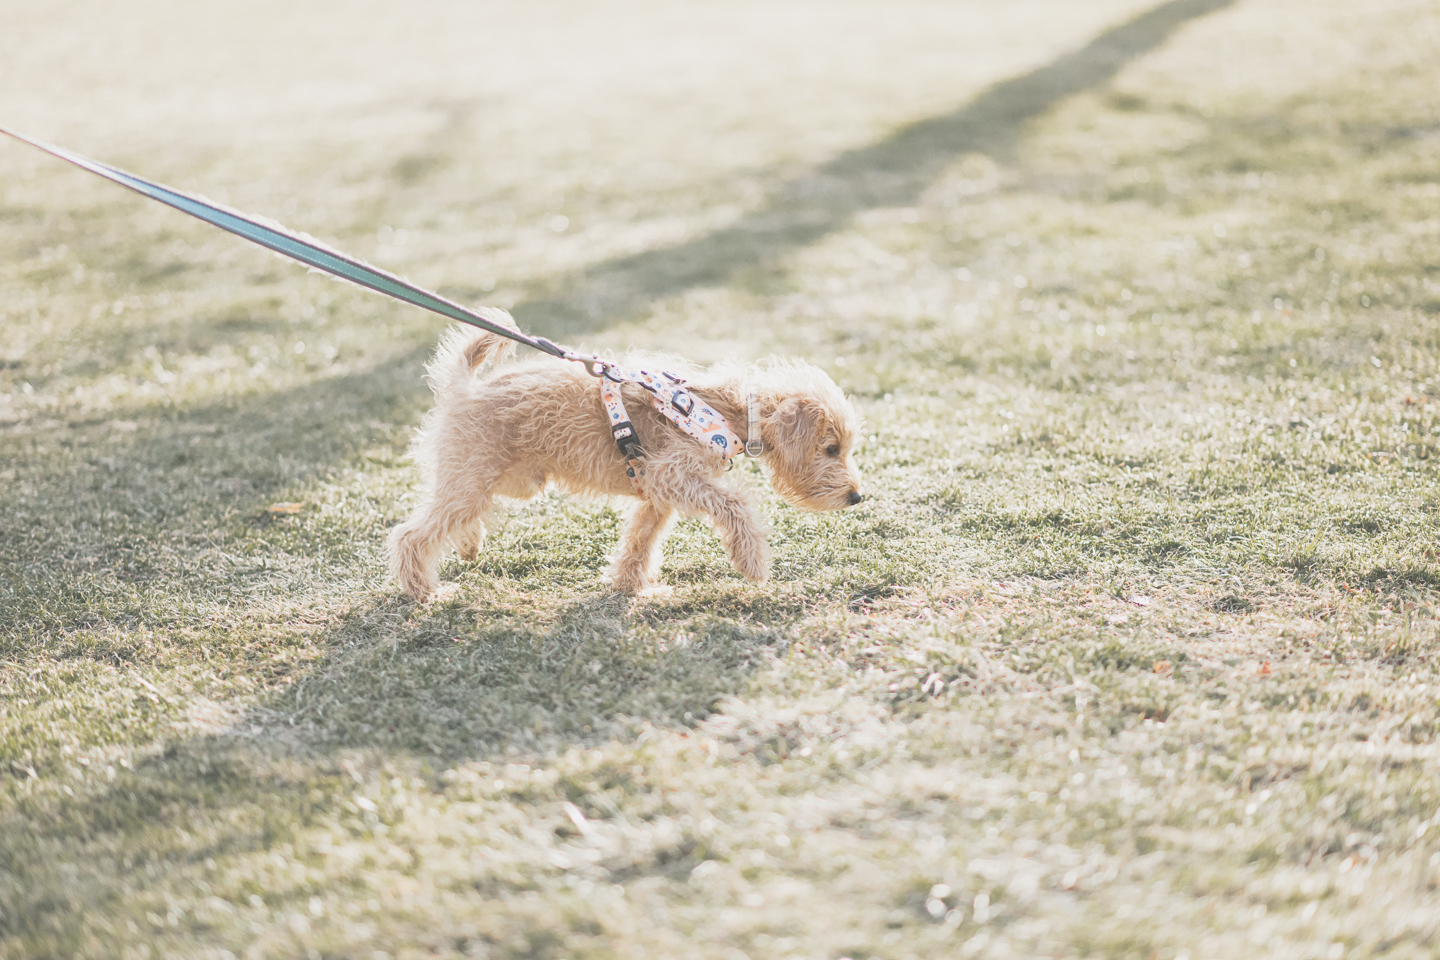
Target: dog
x=522, y=426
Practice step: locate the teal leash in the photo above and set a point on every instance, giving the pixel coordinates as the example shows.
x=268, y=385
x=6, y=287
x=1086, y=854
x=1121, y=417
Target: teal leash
x=307, y=251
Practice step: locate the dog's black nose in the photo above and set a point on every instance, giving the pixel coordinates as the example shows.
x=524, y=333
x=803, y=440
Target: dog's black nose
x=855, y=497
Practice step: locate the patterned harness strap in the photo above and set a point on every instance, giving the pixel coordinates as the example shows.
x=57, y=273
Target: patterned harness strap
x=688, y=412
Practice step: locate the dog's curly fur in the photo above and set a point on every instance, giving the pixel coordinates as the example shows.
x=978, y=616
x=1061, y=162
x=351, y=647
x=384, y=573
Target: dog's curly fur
x=523, y=425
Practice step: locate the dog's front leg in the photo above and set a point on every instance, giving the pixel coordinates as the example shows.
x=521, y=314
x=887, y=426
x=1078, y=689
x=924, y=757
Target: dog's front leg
x=638, y=560
x=734, y=516
x=469, y=539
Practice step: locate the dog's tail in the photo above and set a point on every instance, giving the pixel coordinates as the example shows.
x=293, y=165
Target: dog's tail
x=462, y=351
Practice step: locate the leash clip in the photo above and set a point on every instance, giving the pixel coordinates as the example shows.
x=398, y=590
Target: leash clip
x=594, y=366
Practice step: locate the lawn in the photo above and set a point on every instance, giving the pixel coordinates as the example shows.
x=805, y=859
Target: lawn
x=1133, y=649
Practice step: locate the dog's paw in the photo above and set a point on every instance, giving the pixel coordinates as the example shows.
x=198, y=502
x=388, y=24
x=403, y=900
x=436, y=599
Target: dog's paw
x=440, y=594
x=469, y=547
x=655, y=590
x=630, y=586
x=754, y=569
x=749, y=555
x=633, y=580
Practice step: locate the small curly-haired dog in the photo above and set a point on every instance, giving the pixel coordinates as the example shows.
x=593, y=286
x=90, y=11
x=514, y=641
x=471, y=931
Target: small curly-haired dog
x=524, y=425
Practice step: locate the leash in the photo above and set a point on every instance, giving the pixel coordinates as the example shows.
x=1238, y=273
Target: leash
x=307, y=250
x=689, y=413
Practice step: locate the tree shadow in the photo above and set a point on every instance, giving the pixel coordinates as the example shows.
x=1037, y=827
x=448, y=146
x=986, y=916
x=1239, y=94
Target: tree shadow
x=436, y=151
x=398, y=687
x=162, y=457
x=893, y=172
x=460, y=682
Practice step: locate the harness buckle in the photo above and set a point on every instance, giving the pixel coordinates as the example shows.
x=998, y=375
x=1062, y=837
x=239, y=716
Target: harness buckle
x=626, y=440
x=683, y=402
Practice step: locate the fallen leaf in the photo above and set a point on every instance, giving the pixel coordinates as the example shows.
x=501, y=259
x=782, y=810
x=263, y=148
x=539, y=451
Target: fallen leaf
x=1264, y=669
x=1139, y=601
x=286, y=507
x=1164, y=667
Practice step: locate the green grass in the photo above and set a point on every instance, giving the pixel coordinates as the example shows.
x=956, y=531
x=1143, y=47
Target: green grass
x=1132, y=651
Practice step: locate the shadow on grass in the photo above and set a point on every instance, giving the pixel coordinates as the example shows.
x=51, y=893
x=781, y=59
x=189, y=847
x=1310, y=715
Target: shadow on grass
x=98, y=512
x=457, y=683
x=399, y=690
x=890, y=173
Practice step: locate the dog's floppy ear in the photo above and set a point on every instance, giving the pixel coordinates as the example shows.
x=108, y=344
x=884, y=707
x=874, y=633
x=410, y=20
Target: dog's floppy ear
x=793, y=431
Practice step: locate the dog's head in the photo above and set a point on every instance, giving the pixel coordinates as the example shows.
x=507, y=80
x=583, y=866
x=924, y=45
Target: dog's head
x=810, y=434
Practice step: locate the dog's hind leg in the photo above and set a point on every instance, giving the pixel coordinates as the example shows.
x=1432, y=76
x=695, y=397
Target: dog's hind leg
x=414, y=556
x=416, y=544
x=638, y=561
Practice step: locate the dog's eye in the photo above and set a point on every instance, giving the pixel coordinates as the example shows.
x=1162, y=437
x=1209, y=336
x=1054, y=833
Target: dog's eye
x=833, y=450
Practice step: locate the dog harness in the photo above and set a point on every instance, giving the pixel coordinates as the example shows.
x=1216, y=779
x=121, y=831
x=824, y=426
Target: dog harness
x=688, y=412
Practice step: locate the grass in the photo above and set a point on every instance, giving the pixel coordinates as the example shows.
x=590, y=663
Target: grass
x=1132, y=650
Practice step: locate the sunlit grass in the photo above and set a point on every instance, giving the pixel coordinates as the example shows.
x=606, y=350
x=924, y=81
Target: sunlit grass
x=1129, y=652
